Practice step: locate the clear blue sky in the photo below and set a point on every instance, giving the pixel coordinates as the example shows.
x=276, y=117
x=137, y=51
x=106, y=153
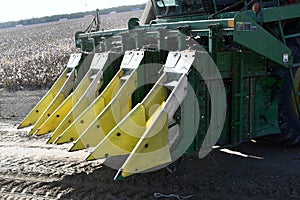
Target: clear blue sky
x=11, y=10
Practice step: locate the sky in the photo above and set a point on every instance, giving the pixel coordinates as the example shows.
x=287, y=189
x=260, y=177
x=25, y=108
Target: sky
x=12, y=10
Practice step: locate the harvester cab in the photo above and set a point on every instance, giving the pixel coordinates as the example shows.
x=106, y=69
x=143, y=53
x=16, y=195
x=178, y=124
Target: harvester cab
x=187, y=76
x=175, y=8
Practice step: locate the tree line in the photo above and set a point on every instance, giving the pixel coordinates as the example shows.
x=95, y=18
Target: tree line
x=54, y=18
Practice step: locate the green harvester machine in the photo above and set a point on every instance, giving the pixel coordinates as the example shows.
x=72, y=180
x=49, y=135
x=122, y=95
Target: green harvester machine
x=188, y=76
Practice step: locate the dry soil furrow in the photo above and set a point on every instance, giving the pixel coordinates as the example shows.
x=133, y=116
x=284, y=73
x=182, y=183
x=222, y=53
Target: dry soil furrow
x=20, y=196
x=30, y=169
x=38, y=180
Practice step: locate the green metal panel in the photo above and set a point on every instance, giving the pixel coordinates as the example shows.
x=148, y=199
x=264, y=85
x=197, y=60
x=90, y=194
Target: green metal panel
x=254, y=64
x=192, y=26
x=266, y=110
x=254, y=37
x=237, y=94
x=278, y=13
x=251, y=93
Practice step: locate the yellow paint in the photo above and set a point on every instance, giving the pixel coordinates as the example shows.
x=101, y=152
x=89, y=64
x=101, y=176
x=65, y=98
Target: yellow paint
x=79, y=108
x=231, y=23
x=123, y=138
x=62, y=111
x=297, y=87
x=53, y=105
x=80, y=120
x=39, y=109
x=152, y=149
x=113, y=113
x=154, y=99
x=73, y=132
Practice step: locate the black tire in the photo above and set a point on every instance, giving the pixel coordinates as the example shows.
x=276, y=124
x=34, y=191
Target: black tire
x=288, y=119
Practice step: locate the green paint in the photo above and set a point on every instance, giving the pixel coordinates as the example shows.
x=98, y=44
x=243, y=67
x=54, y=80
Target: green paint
x=244, y=56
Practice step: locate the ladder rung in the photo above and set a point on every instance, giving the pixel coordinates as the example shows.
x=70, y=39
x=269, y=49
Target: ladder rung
x=296, y=64
x=292, y=36
x=240, y=94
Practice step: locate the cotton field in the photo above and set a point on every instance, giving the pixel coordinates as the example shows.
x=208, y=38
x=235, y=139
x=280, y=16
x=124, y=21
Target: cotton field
x=33, y=56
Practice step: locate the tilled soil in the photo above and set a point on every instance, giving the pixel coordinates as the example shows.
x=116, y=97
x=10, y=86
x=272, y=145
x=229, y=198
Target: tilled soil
x=30, y=169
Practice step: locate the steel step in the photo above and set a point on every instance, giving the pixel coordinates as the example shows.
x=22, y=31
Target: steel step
x=291, y=36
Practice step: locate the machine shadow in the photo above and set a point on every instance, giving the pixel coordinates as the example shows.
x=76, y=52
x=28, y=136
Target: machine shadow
x=254, y=168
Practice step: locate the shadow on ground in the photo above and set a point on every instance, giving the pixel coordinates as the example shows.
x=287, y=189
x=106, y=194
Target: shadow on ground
x=258, y=170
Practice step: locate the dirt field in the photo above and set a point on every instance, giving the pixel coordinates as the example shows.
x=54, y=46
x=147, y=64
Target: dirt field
x=29, y=169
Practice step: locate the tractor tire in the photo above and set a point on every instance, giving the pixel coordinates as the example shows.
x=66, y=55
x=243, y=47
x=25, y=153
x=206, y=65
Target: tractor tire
x=288, y=119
